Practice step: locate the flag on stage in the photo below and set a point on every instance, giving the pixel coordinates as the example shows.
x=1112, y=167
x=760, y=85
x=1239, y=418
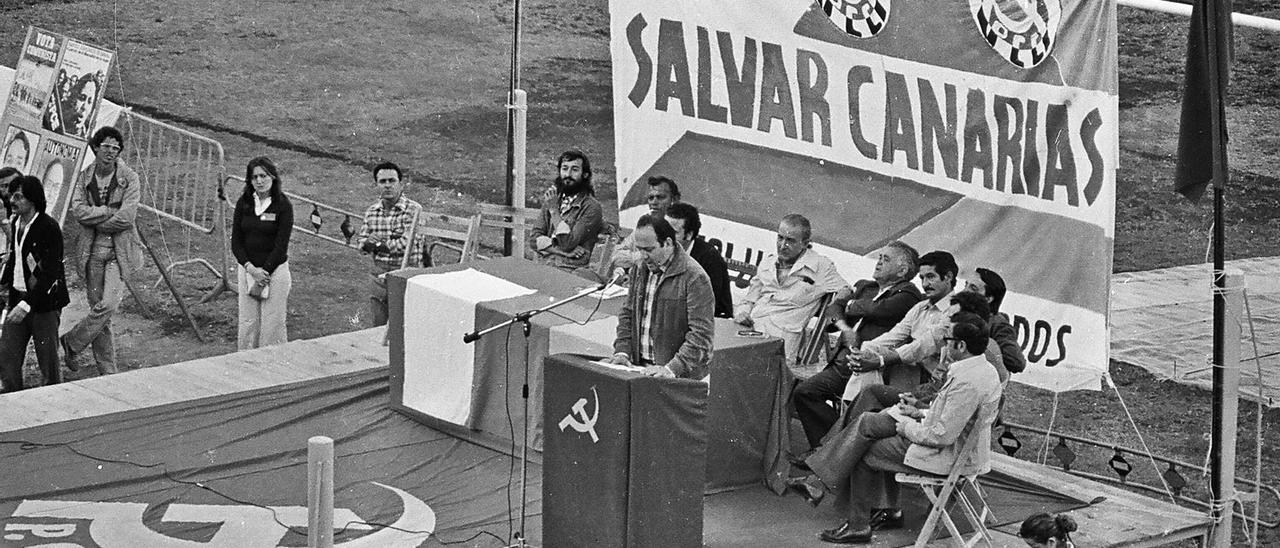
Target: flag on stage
x=1210, y=32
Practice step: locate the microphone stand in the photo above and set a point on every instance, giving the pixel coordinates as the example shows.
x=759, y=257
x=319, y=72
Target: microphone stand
x=523, y=318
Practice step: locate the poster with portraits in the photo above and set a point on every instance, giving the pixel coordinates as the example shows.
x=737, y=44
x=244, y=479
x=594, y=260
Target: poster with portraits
x=51, y=108
x=57, y=164
x=19, y=148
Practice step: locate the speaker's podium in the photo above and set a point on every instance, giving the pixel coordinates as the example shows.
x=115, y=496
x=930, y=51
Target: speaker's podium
x=624, y=457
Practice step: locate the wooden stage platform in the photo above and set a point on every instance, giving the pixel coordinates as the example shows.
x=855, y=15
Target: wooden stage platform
x=1121, y=518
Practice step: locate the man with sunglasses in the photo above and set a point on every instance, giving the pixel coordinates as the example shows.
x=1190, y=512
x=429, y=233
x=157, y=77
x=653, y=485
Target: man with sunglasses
x=860, y=469
x=104, y=203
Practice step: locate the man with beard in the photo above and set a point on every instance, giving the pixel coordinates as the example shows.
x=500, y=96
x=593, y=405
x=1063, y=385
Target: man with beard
x=104, y=202
x=787, y=285
x=385, y=235
x=570, y=225
x=875, y=307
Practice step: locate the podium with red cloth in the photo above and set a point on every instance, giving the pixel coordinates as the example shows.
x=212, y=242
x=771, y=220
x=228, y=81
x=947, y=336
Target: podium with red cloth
x=474, y=390
x=624, y=456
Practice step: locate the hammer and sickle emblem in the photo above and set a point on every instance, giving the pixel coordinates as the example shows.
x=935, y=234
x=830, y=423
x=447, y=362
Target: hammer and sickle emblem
x=579, y=420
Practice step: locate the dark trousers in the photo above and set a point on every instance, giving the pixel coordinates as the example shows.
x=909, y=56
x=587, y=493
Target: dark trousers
x=42, y=327
x=816, y=400
x=858, y=463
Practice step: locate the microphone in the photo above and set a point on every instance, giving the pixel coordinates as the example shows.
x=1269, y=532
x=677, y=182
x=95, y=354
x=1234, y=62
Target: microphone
x=617, y=280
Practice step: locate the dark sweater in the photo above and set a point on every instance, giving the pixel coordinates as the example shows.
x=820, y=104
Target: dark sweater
x=46, y=284
x=262, y=239
x=711, y=261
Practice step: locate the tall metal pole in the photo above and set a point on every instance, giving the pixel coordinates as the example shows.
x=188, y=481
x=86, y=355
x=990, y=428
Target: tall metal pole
x=1220, y=484
x=511, y=123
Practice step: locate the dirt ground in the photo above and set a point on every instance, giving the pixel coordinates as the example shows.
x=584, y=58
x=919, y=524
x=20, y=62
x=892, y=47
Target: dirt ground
x=328, y=88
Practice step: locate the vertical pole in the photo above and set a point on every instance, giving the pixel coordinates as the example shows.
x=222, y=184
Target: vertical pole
x=511, y=121
x=519, y=162
x=320, y=492
x=1217, y=129
x=1225, y=427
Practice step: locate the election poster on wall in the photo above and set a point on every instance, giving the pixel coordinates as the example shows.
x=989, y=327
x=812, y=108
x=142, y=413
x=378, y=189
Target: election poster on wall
x=52, y=104
x=987, y=129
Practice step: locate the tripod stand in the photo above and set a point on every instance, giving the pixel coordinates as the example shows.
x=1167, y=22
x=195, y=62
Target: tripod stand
x=525, y=327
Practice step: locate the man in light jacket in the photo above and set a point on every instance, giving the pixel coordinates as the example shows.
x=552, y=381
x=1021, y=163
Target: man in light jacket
x=104, y=201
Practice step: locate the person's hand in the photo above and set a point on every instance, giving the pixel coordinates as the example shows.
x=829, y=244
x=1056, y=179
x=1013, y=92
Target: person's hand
x=909, y=399
x=542, y=242
x=743, y=316
x=620, y=359
x=910, y=411
x=659, y=371
x=16, y=315
x=901, y=426
x=371, y=245
x=861, y=361
x=255, y=273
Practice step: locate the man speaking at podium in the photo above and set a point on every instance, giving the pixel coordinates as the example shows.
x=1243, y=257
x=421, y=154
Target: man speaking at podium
x=666, y=323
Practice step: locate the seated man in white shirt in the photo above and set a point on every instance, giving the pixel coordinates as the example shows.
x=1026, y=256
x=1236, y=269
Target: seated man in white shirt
x=787, y=286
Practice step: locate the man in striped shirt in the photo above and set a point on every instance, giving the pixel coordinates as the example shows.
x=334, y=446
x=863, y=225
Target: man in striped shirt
x=666, y=324
x=385, y=235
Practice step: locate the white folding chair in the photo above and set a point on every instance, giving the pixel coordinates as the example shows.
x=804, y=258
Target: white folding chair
x=941, y=489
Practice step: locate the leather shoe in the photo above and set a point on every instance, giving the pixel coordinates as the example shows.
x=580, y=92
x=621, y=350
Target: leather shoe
x=886, y=518
x=809, y=488
x=846, y=534
x=68, y=357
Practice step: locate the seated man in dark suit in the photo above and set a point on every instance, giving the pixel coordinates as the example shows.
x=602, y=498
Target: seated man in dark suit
x=860, y=466
x=685, y=220
x=874, y=307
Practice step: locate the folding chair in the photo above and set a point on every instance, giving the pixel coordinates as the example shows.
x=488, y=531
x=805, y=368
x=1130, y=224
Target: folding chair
x=941, y=490
x=459, y=234
x=518, y=219
x=813, y=337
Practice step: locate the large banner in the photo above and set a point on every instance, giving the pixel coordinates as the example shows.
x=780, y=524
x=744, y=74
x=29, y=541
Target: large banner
x=985, y=128
x=51, y=108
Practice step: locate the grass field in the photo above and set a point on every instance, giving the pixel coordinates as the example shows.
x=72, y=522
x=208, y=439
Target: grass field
x=328, y=88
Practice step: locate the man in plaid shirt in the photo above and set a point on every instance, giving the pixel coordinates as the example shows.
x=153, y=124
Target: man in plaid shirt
x=384, y=235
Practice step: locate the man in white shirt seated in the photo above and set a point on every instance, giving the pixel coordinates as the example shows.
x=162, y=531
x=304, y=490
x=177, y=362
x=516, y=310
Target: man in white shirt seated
x=787, y=286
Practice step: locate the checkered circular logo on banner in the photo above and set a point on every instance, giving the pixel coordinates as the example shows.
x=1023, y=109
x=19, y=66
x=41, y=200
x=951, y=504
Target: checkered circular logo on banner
x=859, y=18
x=1024, y=38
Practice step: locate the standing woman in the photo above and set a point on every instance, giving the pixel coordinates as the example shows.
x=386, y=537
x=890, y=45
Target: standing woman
x=260, y=230
x=34, y=277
